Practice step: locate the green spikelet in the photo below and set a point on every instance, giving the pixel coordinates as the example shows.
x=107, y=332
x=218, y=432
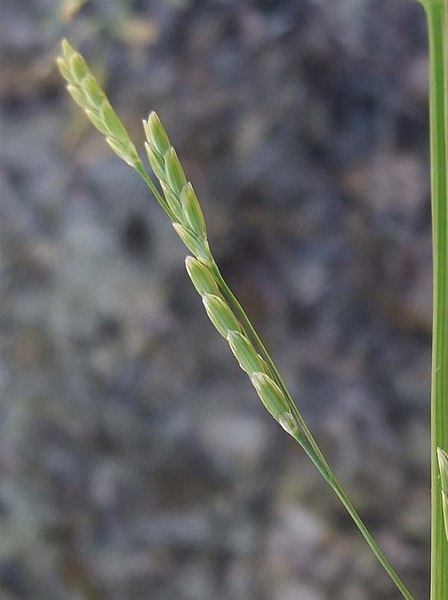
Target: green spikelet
x=192, y=210
x=249, y=360
x=270, y=394
x=174, y=173
x=86, y=92
x=201, y=277
x=93, y=92
x=198, y=247
x=156, y=161
x=174, y=203
x=156, y=134
x=220, y=315
x=78, y=67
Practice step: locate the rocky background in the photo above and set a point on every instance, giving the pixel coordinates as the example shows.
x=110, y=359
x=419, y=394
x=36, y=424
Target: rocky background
x=136, y=462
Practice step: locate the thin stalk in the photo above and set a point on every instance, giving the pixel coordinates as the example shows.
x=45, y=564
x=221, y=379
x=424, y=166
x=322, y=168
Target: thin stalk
x=438, y=50
x=370, y=540
x=189, y=224
x=265, y=354
x=311, y=447
x=152, y=186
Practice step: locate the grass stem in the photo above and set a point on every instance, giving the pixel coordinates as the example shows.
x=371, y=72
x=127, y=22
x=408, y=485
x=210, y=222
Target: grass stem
x=308, y=442
x=438, y=49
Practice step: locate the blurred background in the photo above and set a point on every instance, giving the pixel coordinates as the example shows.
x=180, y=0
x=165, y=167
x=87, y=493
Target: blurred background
x=136, y=461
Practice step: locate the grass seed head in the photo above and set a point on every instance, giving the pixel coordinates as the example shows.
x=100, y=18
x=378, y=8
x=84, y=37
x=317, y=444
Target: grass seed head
x=86, y=92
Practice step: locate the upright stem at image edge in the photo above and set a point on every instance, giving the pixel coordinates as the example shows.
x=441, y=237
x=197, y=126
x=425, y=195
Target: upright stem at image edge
x=438, y=47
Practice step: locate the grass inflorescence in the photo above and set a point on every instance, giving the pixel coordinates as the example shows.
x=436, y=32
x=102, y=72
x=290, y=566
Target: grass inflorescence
x=178, y=199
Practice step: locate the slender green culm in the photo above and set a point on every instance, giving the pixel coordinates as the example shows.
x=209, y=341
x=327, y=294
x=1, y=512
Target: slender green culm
x=437, y=11
x=180, y=203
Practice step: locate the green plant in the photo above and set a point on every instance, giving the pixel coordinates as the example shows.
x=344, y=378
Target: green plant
x=437, y=14
x=179, y=201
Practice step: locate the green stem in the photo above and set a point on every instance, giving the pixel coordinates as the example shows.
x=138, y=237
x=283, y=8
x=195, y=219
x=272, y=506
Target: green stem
x=299, y=428
x=265, y=354
x=370, y=539
x=310, y=446
x=152, y=186
x=438, y=48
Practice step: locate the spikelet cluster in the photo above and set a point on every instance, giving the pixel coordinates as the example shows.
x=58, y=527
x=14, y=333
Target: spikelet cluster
x=189, y=224
x=181, y=204
x=86, y=92
x=443, y=468
x=224, y=320
x=181, y=200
